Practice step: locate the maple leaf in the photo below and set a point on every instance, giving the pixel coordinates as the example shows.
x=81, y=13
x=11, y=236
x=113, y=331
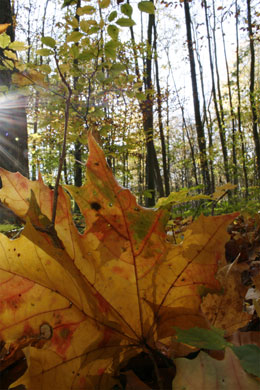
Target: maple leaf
x=85, y=303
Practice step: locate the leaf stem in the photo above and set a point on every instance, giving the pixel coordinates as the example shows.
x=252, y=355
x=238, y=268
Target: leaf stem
x=157, y=373
x=63, y=153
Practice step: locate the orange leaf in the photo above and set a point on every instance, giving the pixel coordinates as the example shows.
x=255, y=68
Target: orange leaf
x=105, y=295
x=4, y=27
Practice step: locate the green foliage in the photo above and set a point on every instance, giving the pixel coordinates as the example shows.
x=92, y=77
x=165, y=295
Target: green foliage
x=202, y=338
x=146, y=6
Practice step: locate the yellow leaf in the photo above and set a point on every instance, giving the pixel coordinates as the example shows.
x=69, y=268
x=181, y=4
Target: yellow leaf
x=106, y=294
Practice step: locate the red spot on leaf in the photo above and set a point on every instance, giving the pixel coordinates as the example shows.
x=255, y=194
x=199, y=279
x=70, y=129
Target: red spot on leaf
x=82, y=381
x=103, y=304
x=28, y=330
x=62, y=337
x=101, y=371
x=106, y=337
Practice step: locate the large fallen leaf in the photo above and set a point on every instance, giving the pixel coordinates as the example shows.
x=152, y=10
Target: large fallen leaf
x=215, y=305
x=84, y=303
x=206, y=373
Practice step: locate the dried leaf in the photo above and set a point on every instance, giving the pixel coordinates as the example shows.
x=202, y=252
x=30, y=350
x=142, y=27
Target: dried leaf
x=204, y=373
x=96, y=299
x=215, y=306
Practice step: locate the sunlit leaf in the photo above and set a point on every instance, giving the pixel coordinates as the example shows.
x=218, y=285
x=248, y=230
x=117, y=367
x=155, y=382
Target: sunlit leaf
x=45, y=52
x=98, y=298
x=17, y=46
x=86, y=10
x=4, y=41
x=49, y=41
x=74, y=36
x=104, y=3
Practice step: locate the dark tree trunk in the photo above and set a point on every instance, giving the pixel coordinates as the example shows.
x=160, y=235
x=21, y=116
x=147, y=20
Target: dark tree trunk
x=77, y=145
x=153, y=175
x=252, y=90
x=196, y=104
x=243, y=149
x=160, y=120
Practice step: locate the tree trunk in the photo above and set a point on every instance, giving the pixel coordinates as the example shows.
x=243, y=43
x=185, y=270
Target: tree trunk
x=252, y=91
x=196, y=104
x=159, y=107
x=215, y=100
x=232, y=113
x=153, y=176
x=243, y=149
x=77, y=145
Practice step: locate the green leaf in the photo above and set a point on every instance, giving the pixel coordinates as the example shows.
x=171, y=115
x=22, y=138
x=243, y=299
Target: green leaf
x=124, y=22
x=110, y=49
x=117, y=68
x=146, y=6
x=249, y=356
x=113, y=31
x=86, y=55
x=127, y=9
x=45, y=52
x=75, y=36
x=104, y=3
x=73, y=22
x=87, y=10
x=17, y=46
x=112, y=16
x=100, y=76
x=202, y=338
x=66, y=3
x=140, y=96
x=93, y=30
x=49, y=41
x=45, y=68
x=4, y=40
x=74, y=51
x=84, y=25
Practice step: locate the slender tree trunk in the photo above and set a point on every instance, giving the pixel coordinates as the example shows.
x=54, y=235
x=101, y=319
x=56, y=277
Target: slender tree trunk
x=243, y=149
x=77, y=145
x=205, y=117
x=199, y=125
x=160, y=120
x=215, y=100
x=252, y=90
x=232, y=113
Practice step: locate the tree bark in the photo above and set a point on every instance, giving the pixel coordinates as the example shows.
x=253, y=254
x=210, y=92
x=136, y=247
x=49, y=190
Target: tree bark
x=215, y=100
x=252, y=90
x=196, y=104
x=243, y=149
